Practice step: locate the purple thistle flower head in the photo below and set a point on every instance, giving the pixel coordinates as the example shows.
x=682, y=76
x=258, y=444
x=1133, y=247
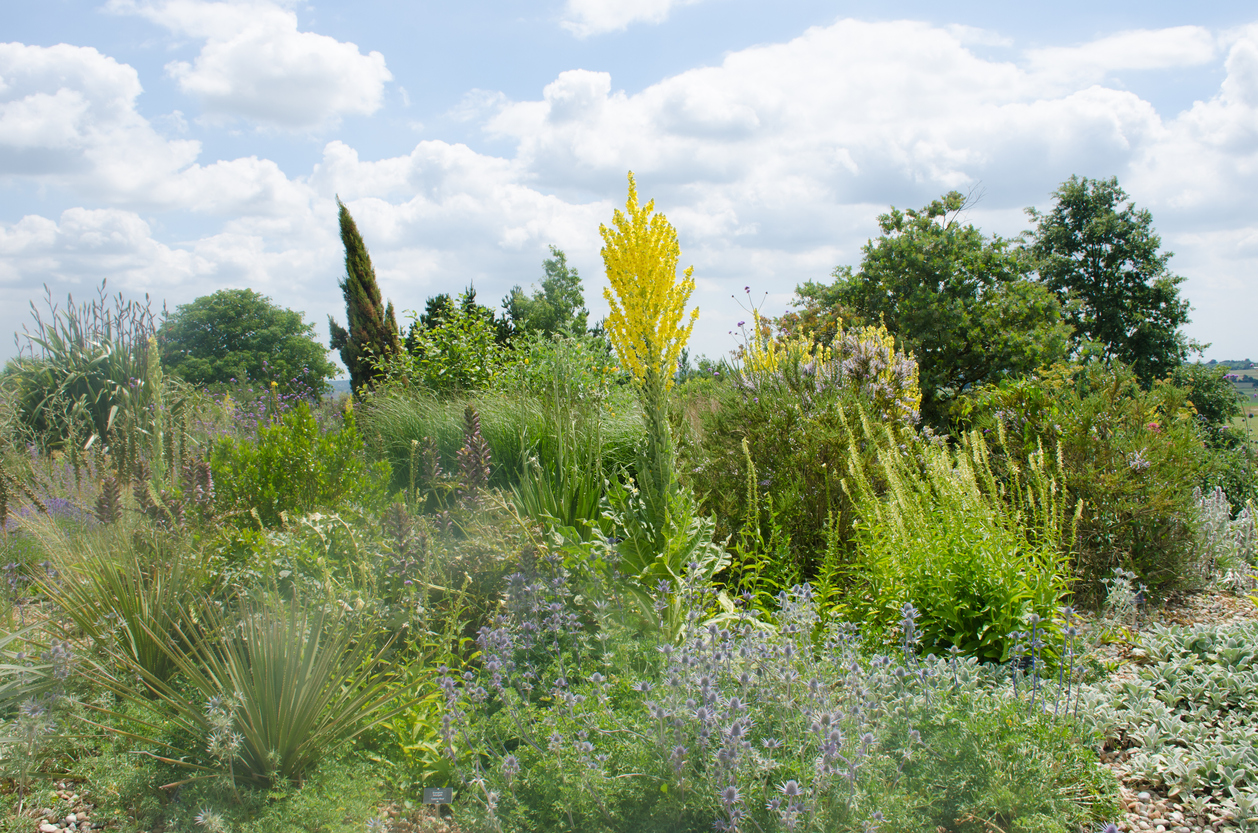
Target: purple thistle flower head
x=730, y=796
x=790, y=789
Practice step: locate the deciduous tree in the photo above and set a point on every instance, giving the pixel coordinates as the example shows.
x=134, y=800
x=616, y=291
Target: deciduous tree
x=239, y=334
x=559, y=306
x=963, y=304
x=1102, y=258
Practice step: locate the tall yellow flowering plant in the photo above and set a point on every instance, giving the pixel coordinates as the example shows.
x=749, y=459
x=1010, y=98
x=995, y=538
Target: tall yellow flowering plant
x=648, y=324
x=664, y=537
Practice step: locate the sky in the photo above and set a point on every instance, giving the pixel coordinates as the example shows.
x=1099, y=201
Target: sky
x=178, y=147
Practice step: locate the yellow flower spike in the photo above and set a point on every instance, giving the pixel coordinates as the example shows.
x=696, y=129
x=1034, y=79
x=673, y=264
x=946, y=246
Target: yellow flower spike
x=648, y=324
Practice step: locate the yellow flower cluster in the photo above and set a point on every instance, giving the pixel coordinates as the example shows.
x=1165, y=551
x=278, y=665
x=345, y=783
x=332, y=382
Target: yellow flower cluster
x=647, y=324
x=764, y=353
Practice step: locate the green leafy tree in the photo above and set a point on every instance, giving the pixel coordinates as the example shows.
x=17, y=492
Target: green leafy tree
x=452, y=347
x=441, y=309
x=373, y=331
x=559, y=306
x=964, y=305
x=1102, y=258
x=239, y=334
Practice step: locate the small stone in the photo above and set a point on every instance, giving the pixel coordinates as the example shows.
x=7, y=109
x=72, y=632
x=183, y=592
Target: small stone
x=1144, y=796
x=70, y=819
x=48, y=828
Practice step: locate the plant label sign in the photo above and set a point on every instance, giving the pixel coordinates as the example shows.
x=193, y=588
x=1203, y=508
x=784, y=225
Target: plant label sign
x=438, y=795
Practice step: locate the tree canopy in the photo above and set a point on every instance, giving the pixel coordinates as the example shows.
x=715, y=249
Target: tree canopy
x=963, y=304
x=238, y=334
x=559, y=306
x=1102, y=258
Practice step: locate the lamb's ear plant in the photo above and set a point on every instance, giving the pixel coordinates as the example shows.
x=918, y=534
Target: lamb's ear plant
x=269, y=688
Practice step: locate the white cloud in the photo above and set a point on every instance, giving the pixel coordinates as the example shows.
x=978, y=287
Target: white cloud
x=84, y=246
x=1139, y=49
x=256, y=65
x=596, y=17
x=1204, y=163
x=773, y=165
x=67, y=115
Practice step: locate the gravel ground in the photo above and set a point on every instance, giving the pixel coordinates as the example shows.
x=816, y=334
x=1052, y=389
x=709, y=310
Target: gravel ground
x=1146, y=809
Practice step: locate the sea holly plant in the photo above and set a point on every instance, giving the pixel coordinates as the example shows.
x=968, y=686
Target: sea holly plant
x=648, y=326
x=575, y=721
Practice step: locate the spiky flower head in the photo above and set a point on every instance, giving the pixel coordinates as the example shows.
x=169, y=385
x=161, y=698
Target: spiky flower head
x=648, y=323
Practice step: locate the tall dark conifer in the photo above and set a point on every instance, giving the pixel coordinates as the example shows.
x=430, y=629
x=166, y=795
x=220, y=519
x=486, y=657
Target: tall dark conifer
x=371, y=333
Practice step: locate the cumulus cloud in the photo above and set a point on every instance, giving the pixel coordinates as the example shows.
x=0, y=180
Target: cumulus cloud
x=835, y=115
x=596, y=17
x=68, y=116
x=256, y=65
x=773, y=165
x=1138, y=49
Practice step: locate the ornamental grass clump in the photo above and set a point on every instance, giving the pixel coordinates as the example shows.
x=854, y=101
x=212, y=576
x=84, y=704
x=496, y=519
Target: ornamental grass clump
x=747, y=723
x=266, y=689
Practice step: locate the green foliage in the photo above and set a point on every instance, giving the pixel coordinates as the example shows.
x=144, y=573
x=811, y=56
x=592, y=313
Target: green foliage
x=799, y=424
x=273, y=687
x=237, y=335
x=976, y=557
x=962, y=304
x=558, y=307
x=340, y=796
x=1233, y=461
x=126, y=586
x=456, y=351
x=1131, y=456
x=373, y=332
x=516, y=426
x=746, y=725
x=1102, y=258
x=293, y=467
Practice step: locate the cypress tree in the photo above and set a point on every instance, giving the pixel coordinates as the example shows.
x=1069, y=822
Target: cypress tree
x=371, y=334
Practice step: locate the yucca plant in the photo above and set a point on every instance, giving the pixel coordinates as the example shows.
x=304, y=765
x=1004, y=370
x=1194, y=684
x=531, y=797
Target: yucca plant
x=274, y=686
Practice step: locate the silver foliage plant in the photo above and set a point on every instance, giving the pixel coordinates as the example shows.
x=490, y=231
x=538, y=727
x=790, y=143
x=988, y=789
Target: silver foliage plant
x=1227, y=547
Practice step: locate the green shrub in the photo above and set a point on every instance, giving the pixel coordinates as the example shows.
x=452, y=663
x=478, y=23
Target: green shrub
x=455, y=351
x=799, y=425
x=1132, y=456
x=574, y=721
x=293, y=468
x=975, y=557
